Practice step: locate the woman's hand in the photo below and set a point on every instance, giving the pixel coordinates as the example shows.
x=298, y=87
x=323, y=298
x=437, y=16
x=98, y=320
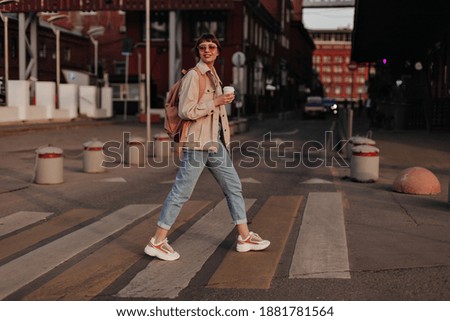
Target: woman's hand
x=223, y=99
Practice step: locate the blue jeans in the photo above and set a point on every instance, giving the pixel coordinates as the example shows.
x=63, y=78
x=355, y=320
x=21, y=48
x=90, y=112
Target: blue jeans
x=192, y=165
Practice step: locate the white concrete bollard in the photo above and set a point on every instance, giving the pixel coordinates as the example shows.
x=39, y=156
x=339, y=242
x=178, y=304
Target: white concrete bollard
x=49, y=165
x=93, y=157
x=365, y=163
x=135, y=151
x=358, y=140
x=243, y=125
x=161, y=145
x=234, y=127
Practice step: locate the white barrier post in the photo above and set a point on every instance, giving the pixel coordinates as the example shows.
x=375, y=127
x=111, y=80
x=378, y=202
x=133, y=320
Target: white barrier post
x=49, y=165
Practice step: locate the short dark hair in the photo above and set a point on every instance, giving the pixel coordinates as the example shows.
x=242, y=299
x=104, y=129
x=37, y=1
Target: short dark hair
x=208, y=37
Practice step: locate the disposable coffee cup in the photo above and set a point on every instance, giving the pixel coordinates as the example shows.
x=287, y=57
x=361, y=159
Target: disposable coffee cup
x=228, y=90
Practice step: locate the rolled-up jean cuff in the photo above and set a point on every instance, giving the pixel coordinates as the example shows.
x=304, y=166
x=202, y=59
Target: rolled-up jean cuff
x=242, y=221
x=163, y=225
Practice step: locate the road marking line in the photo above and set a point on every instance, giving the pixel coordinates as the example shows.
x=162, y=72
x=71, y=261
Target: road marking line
x=32, y=265
x=89, y=277
x=273, y=222
x=250, y=180
x=321, y=249
x=20, y=220
x=55, y=225
x=161, y=279
x=316, y=181
x=114, y=180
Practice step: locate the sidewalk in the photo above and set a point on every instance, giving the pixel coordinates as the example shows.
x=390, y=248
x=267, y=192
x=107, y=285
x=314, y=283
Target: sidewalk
x=401, y=149
x=395, y=231
x=17, y=127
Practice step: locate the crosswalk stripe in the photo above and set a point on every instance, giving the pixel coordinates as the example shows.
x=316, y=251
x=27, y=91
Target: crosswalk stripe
x=32, y=265
x=273, y=222
x=321, y=248
x=54, y=226
x=20, y=220
x=89, y=277
x=161, y=279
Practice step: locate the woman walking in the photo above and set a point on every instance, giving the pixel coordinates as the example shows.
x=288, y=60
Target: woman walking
x=204, y=139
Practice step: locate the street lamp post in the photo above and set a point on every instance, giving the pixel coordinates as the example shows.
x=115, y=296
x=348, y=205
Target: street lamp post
x=92, y=32
x=95, y=31
x=352, y=67
x=138, y=45
x=57, y=33
x=147, y=64
x=6, y=27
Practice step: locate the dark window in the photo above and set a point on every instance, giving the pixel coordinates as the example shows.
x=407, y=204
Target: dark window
x=208, y=22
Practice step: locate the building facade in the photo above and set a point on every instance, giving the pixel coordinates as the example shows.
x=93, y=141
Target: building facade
x=341, y=78
x=277, y=48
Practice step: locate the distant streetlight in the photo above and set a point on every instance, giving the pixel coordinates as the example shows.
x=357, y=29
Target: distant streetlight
x=5, y=22
x=92, y=32
x=57, y=33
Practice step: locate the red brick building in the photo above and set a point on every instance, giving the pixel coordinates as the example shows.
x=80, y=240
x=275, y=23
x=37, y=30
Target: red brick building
x=278, y=50
x=341, y=79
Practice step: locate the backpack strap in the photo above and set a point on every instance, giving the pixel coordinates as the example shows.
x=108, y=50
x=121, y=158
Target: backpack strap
x=201, y=89
x=201, y=84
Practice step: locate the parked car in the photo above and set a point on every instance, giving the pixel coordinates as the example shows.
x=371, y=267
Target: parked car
x=314, y=107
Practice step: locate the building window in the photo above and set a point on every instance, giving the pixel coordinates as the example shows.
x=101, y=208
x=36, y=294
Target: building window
x=119, y=67
x=42, y=50
x=326, y=69
x=337, y=90
x=209, y=22
x=337, y=69
x=159, y=26
x=338, y=59
x=13, y=50
x=66, y=54
x=326, y=79
x=266, y=42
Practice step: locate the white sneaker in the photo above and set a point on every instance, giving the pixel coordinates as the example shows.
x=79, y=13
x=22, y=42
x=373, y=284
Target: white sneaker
x=161, y=250
x=253, y=242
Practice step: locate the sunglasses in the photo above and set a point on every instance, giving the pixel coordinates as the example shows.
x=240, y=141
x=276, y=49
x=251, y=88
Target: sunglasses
x=210, y=46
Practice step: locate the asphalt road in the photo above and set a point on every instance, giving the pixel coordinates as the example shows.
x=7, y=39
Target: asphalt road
x=357, y=241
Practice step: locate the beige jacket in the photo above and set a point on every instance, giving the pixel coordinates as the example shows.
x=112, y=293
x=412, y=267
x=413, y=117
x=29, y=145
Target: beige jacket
x=203, y=126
